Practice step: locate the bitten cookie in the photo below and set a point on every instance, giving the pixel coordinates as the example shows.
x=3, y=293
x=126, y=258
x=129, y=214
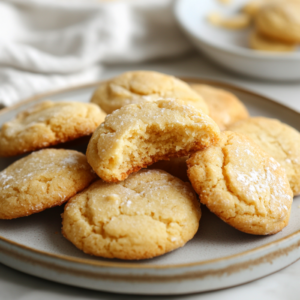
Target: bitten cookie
x=242, y=185
x=48, y=123
x=148, y=214
x=140, y=86
x=224, y=107
x=138, y=135
x=41, y=180
x=259, y=42
x=280, y=20
x=279, y=140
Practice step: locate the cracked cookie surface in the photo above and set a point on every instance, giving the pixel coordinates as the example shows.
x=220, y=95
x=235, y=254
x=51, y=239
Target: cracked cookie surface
x=279, y=140
x=224, y=107
x=140, y=86
x=41, y=180
x=242, y=185
x=47, y=124
x=148, y=214
x=138, y=135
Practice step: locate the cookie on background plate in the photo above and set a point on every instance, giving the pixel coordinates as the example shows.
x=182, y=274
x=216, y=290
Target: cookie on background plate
x=280, y=20
x=41, y=180
x=137, y=135
x=242, y=185
x=279, y=140
x=224, y=107
x=139, y=86
x=48, y=123
x=148, y=214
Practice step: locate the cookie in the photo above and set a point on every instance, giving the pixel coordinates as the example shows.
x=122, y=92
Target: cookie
x=148, y=214
x=280, y=20
x=239, y=21
x=139, y=86
x=279, y=140
x=175, y=166
x=224, y=107
x=47, y=124
x=242, y=185
x=252, y=7
x=41, y=180
x=137, y=135
x=259, y=42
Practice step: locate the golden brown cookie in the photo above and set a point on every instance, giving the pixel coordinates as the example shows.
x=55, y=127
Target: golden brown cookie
x=47, y=124
x=280, y=20
x=224, y=107
x=259, y=42
x=41, y=180
x=242, y=185
x=148, y=214
x=138, y=135
x=279, y=140
x=139, y=86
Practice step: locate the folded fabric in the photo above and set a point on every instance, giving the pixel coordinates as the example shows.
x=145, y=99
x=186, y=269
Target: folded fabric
x=50, y=44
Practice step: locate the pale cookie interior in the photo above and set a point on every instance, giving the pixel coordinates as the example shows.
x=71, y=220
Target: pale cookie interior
x=41, y=180
x=147, y=215
x=281, y=141
x=49, y=123
x=242, y=185
x=138, y=135
x=139, y=86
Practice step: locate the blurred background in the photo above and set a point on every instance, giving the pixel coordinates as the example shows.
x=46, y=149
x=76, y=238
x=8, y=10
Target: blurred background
x=52, y=44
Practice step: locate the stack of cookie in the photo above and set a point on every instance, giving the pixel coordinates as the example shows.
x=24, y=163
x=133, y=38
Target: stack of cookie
x=118, y=209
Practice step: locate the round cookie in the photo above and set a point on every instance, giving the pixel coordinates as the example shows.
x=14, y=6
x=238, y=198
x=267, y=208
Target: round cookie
x=259, y=42
x=242, y=185
x=224, y=107
x=47, y=124
x=280, y=20
x=138, y=135
x=139, y=86
x=148, y=214
x=279, y=140
x=41, y=180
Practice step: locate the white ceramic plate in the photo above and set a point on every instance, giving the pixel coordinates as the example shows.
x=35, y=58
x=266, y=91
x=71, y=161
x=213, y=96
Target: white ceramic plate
x=229, y=48
x=219, y=256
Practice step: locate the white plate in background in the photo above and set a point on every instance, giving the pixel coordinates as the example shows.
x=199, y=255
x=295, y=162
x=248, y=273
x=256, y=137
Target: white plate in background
x=219, y=256
x=229, y=48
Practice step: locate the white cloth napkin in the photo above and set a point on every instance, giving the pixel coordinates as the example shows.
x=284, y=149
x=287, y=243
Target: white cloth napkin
x=51, y=44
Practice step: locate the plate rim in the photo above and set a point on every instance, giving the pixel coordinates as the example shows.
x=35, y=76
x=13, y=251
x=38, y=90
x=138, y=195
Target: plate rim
x=234, y=50
x=125, y=265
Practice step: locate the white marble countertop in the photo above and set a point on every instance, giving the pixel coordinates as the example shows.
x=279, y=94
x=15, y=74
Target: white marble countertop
x=281, y=285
